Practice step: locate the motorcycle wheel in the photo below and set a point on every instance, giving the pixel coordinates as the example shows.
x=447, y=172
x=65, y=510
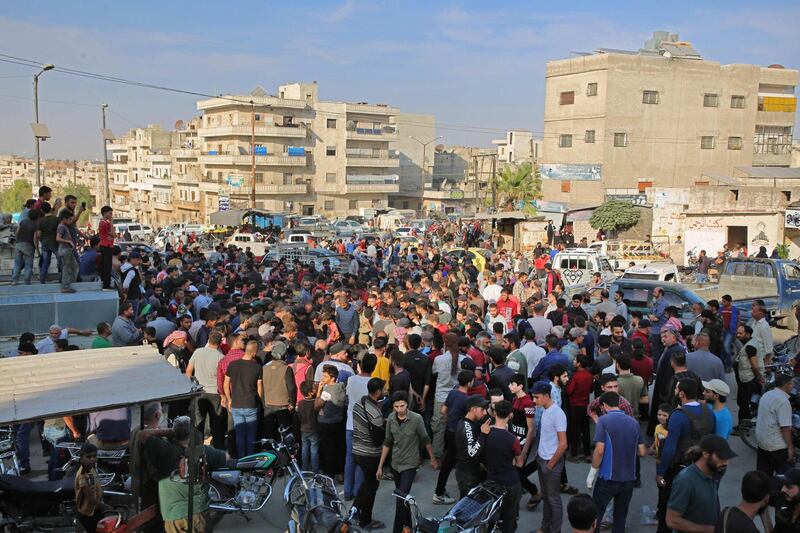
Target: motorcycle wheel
x=747, y=432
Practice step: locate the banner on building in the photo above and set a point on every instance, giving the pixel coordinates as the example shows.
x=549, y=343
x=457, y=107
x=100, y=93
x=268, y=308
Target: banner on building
x=635, y=199
x=234, y=181
x=566, y=172
x=224, y=203
x=792, y=219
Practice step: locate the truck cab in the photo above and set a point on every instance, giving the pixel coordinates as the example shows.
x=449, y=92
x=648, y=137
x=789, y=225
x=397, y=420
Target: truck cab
x=576, y=266
x=776, y=281
x=656, y=271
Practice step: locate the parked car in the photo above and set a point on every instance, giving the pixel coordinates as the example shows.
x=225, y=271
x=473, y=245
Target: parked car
x=131, y=246
x=136, y=230
x=639, y=294
x=346, y=228
x=297, y=236
x=248, y=240
x=657, y=271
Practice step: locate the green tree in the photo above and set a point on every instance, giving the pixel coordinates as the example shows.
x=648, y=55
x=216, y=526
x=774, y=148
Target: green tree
x=13, y=199
x=83, y=194
x=614, y=215
x=521, y=183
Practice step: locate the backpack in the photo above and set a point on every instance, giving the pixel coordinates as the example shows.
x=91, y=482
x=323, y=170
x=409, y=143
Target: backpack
x=376, y=433
x=700, y=426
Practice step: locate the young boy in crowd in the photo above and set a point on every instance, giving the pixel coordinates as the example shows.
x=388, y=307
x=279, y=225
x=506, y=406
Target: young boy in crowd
x=660, y=434
x=308, y=427
x=88, y=490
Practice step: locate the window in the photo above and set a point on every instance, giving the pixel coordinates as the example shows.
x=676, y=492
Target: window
x=330, y=177
x=567, y=98
x=707, y=142
x=650, y=97
x=353, y=204
x=330, y=150
x=772, y=140
x=258, y=117
x=589, y=136
x=328, y=205
x=643, y=185
x=734, y=143
x=259, y=177
x=737, y=102
x=331, y=123
x=566, y=186
x=591, y=89
x=565, y=141
x=287, y=178
x=710, y=100
x=620, y=140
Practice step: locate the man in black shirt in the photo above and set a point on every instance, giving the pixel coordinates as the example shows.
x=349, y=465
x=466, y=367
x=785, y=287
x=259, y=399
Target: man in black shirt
x=503, y=454
x=786, y=502
x=501, y=375
x=418, y=365
x=755, y=502
x=470, y=439
x=400, y=380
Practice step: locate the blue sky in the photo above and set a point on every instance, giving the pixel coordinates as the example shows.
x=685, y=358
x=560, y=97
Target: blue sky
x=477, y=66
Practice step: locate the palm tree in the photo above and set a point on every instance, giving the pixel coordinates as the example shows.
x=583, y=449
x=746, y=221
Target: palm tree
x=518, y=184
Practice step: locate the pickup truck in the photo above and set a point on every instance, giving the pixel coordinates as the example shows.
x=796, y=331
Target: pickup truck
x=776, y=281
x=576, y=266
x=639, y=294
x=248, y=240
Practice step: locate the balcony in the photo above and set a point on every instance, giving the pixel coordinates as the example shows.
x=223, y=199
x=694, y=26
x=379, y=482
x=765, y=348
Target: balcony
x=187, y=204
x=284, y=160
x=371, y=109
x=118, y=166
x=185, y=152
x=373, y=183
x=161, y=206
x=294, y=132
x=300, y=188
x=774, y=118
x=244, y=100
x=367, y=134
x=372, y=158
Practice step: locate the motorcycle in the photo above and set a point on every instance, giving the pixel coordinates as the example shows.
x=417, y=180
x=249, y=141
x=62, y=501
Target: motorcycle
x=747, y=428
x=9, y=464
x=312, y=499
x=113, y=467
x=36, y=505
x=477, y=512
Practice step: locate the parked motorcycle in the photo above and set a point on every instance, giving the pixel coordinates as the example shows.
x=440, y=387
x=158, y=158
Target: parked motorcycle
x=477, y=512
x=36, y=505
x=747, y=428
x=113, y=467
x=312, y=499
x=9, y=464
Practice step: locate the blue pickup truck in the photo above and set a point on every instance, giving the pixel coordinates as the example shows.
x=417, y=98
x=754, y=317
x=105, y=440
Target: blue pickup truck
x=776, y=281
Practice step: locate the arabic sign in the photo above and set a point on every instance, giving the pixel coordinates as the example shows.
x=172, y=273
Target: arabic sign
x=792, y=219
x=576, y=172
x=224, y=203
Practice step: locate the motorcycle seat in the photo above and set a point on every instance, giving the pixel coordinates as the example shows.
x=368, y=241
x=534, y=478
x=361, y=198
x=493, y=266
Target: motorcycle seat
x=468, y=512
x=25, y=486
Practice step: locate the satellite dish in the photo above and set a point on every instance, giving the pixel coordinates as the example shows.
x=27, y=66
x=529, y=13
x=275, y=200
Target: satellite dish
x=351, y=125
x=439, y=148
x=178, y=124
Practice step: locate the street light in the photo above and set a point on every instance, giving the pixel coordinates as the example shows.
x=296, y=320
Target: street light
x=40, y=131
x=107, y=136
x=424, y=152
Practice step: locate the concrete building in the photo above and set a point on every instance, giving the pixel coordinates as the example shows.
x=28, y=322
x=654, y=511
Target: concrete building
x=460, y=180
x=310, y=156
x=660, y=117
x=416, y=146
x=518, y=147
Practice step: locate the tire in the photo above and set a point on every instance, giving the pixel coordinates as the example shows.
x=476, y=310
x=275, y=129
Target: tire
x=747, y=432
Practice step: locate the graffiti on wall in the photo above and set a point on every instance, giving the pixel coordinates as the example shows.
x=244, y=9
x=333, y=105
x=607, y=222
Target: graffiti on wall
x=706, y=223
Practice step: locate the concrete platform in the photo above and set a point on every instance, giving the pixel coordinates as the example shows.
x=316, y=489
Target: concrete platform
x=35, y=307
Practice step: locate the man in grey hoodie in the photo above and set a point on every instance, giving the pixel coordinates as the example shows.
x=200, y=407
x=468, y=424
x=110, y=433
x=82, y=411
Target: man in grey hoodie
x=347, y=319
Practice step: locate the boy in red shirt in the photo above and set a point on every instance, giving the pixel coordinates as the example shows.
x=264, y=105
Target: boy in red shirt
x=508, y=308
x=521, y=425
x=106, y=231
x=578, y=390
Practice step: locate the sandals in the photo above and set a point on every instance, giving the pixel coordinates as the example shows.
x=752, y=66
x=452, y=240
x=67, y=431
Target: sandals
x=568, y=489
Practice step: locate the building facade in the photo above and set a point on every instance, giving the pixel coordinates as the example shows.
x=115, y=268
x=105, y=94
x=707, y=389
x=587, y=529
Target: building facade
x=660, y=117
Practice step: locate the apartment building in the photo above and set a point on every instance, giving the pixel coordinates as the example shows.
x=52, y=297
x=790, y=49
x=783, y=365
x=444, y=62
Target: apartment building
x=300, y=154
x=56, y=174
x=661, y=116
x=460, y=180
x=518, y=147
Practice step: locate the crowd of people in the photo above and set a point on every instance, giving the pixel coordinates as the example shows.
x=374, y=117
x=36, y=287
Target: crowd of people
x=416, y=356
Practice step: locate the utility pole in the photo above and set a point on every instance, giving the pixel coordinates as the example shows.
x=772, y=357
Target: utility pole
x=45, y=68
x=106, y=189
x=494, y=184
x=253, y=154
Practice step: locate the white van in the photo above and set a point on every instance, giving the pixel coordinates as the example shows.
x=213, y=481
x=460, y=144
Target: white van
x=655, y=271
x=248, y=240
x=137, y=231
x=577, y=265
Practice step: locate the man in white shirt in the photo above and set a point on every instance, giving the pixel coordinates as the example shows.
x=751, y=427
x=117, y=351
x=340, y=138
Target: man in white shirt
x=762, y=333
x=56, y=332
x=492, y=291
x=550, y=456
x=533, y=353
